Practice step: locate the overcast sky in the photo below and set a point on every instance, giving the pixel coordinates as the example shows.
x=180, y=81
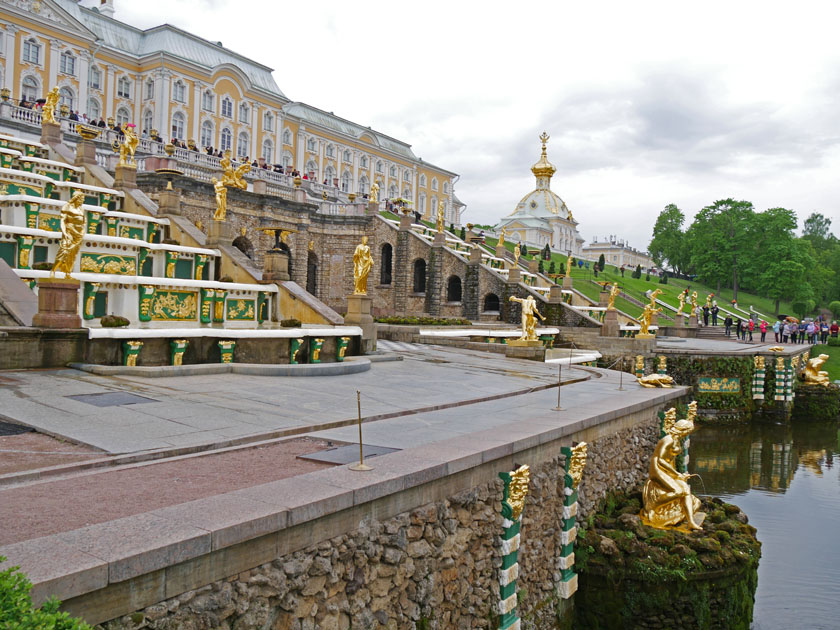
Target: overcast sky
x=646, y=103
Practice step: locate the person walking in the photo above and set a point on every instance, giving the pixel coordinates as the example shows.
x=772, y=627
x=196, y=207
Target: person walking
x=728, y=324
x=750, y=327
x=738, y=329
x=776, y=328
x=715, y=311
x=803, y=329
x=763, y=328
x=824, y=329
x=705, y=315
x=834, y=328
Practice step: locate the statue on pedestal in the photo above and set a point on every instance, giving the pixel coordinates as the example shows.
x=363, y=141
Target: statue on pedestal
x=128, y=146
x=502, y=237
x=72, y=233
x=681, y=298
x=529, y=322
x=440, y=218
x=812, y=375
x=653, y=295
x=645, y=317
x=362, y=263
x=668, y=501
x=517, y=252
x=374, y=193
x=48, y=110
x=613, y=294
x=694, y=302
x=569, y=265
x=221, y=199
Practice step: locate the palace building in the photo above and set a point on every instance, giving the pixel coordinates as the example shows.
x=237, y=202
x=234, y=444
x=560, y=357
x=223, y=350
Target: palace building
x=542, y=216
x=190, y=89
x=617, y=252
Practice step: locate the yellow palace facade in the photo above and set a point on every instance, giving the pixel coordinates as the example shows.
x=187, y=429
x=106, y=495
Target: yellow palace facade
x=189, y=88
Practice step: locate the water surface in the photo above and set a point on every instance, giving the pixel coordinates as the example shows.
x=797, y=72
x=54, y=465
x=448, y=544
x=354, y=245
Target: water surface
x=787, y=479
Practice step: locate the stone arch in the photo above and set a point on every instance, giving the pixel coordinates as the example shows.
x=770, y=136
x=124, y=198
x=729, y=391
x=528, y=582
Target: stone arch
x=244, y=245
x=491, y=303
x=453, y=289
x=419, y=267
x=386, y=255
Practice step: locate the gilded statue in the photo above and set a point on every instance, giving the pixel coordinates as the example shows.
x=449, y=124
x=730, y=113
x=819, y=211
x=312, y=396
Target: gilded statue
x=759, y=362
x=517, y=252
x=502, y=235
x=668, y=502
x=681, y=298
x=72, y=233
x=128, y=146
x=48, y=109
x=576, y=463
x=569, y=265
x=221, y=199
x=440, y=218
x=656, y=380
x=709, y=300
x=362, y=263
x=653, y=295
x=613, y=294
x=529, y=322
x=645, y=317
x=374, y=193
x=812, y=374
x=694, y=302
x=518, y=490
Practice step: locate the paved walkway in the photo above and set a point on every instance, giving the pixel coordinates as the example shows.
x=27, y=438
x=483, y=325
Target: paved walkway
x=728, y=345
x=131, y=414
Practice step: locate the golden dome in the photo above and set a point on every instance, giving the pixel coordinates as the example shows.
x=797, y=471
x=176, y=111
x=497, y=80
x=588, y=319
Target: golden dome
x=543, y=168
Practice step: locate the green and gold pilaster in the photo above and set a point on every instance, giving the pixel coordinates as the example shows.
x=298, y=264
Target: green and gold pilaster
x=226, y=350
x=33, y=210
x=24, y=258
x=171, y=259
x=200, y=261
x=640, y=366
x=575, y=463
x=104, y=200
x=662, y=365
x=6, y=162
x=88, y=298
x=177, y=348
x=513, y=502
x=146, y=294
x=142, y=254
x=151, y=231
x=208, y=297
x=791, y=366
x=111, y=224
x=780, y=380
x=131, y=350
x=219, y=306
x=342, y=344
x=315, y=345
x=93, y=221
x=263, y=304
x=297, y=352
x=758, y=379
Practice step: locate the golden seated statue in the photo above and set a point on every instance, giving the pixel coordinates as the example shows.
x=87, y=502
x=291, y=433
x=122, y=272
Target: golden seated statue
x=812, y=375
x=656, y=380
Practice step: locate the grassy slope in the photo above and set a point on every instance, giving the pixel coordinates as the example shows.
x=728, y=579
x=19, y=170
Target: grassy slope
x=832, y=366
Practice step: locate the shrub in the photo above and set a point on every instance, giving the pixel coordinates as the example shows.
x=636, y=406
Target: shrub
x=562, y=271
x=17, y=611
x=552, y=268
x=835, y=308
x=663, y=279
x=601, y=262
x=638, y=273
x=547, y=252
x=647, y=277
x=463, y=233
x=43, y=266
x=113, y=321
x=541, y=267
x=834, y=341
x=523, y=250
x=290, y=323
x=225, y=279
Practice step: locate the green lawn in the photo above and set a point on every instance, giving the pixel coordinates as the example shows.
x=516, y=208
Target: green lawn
x=832, y=366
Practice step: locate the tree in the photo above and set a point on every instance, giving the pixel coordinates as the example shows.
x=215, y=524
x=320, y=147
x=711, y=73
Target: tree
x=540, y=267
x=547, y=252
x=562, y=271
x=463, y=233
x=834, y=307
x=552, y=268
x=817, y=229
x=523, y=250
x=638, y=273
x=452, y=228
x=601, y=262
x=668, y=242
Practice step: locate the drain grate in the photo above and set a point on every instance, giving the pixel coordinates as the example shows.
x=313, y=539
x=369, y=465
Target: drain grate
x=111, y=399
x=346, y=454
x=7, y=428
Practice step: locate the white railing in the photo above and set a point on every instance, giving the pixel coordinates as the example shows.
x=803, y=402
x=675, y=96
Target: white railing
x=25, y=115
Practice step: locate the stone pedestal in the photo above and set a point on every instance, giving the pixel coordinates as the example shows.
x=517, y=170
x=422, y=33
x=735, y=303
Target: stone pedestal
x=58, y=304
x=654, y=319
x=300, y=195
x=521, y=349
x=275, y=266
x=50, y=133
x=405, y=222
x=358, y=314
x=567, y=282
x=514, y=275
x=692, y=321
x=125, y=177
x=85, y=153
x=501, y=251
x=220, y=233
x=645, y=336
x=372, y=207
x=534, y=266
x=555, y=294
x=469, y=236
x=680, y=320
x=259, y=186
x=170, y=202
x=610, y=327
x=440, y=238
x=603, y=298
x=475, y=255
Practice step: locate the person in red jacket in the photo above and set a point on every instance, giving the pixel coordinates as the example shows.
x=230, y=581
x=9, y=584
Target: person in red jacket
x=750, y=328
x=763, y=328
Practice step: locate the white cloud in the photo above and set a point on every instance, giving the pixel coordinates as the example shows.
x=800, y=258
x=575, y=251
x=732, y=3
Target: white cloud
x=647, y=103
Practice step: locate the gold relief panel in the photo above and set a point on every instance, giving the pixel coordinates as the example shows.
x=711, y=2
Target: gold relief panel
x=109, y=263
x=239, y=309
x=174, y=306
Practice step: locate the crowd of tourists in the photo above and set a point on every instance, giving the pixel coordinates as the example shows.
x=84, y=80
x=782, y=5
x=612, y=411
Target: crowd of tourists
x=788, y=330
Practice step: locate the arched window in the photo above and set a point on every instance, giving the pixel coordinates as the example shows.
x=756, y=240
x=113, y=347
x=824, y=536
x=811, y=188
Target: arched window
x=407, y=175
x=346, y=181
x=491, y=303
x=227, y=107
x=67, y=63
x=207, y=134
x=148, y=121
x=423, y=181
x=31, y=88
x=312, y=169
x=346, y=157
x=208, y=101
x=310, y=144
x=419, y=276
x=434, y=183
x=421, y=204
x=363, y=162
x=178, y=122
x=288, y=159
x=244, y=113
x=124, y=87
x=392, y=191
x=268, y=121
x=66, y=97
x=150, y=90
x=242, y=145
x=379, y=167
x=179, y=91
x=226, y=140
x=446, y=187
x=330, y=150
x=268, y=150
x=123, y=116
x=95, y=78
x=287, y=137
x=453, y=289
x=392, y=171
x=329, y=175
x=385, y=267
x=364, y=185
x=32, y=51
x=93, y=110
x=433, y=206
x=406, y=193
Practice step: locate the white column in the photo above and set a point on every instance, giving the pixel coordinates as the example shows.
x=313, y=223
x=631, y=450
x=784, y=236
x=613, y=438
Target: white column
x=138, y=103
x=278, y=138
x=198, y=88
x=256, y=145
x=8, y=74
x=354, y=185
x=162, y=81
x=414, y=187
x=109, y=92
x=300, y=150
x=84, y=81
x=53, y=69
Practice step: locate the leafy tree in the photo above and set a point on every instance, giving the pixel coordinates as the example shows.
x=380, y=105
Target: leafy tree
x=668, y=242
x=602, y=263
x=817, y=229
x=834, y=307
x=463, y=234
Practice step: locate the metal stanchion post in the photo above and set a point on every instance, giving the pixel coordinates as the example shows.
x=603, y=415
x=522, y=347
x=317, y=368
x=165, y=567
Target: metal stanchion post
x=621, y=376
x=559, y=384
x=361, y=465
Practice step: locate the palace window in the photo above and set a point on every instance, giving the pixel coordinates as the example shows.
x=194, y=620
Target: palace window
x=330, y=150
x=407, y=175
x=446, y=187
x=312, y=170
x=32, y=51
x=346, y=157
x=206, y=134
x=406, y=193
x=179, y=92
x=123, y=116
x=226, y=139
x=434, y=183
x=363, y=162
x=67, y=64
x=207, y=101
x=148, y=121
x=392, y=171
x=379, y=167
x=287, y=137
x=66, y=97
x=124, y=87
x=310, y=144
x=178, y=123
x=268, y=121
x=392, y=191
x=242, y=145
x=227, y=107
x=95, y=78
x=423, y=181
x=268, y=151
x=364, y=185
x=329, y=175
x=31, y=88
x=346, y=181
x=93, y=110
x=244, y=113
x=421, y=204
x=287, y=158
x=149, y=90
